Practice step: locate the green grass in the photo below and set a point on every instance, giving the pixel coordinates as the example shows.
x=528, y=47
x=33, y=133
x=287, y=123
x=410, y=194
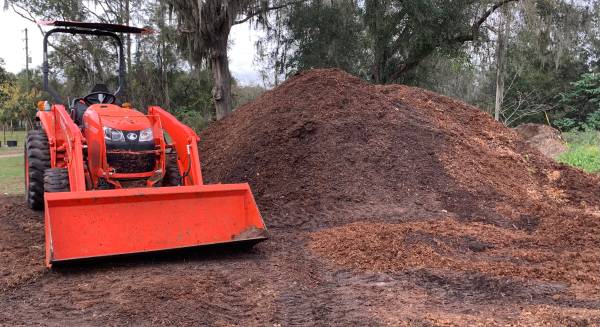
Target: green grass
x=584, y=151
x=582, y=138
x=19, y=136
x=11, y=175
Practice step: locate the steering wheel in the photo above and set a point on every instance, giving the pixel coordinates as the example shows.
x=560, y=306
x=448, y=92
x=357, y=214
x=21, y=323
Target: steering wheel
x=99, y=98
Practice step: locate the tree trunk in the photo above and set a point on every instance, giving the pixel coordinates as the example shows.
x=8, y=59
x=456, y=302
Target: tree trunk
x=221, y=93
x=164, y=74
x=500, y=64
x=127, y=22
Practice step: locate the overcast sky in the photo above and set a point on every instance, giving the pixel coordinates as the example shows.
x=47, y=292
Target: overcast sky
x=13, y=50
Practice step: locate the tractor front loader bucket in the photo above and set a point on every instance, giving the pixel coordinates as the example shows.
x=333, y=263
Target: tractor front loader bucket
x=91, y=224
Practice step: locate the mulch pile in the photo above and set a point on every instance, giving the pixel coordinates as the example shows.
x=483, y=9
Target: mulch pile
x=546, y=139
x=407, y=179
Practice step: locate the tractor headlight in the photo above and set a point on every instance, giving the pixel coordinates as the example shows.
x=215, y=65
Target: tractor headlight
x=111, y=134
x=146, y=135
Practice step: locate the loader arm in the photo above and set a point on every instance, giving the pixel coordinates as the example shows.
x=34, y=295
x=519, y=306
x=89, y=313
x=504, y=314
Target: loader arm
x=65, y=140
x=185, y=141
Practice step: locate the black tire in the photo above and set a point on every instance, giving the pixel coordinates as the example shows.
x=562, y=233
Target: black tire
x=56, y=180
x=172, y=176
x=37, y=160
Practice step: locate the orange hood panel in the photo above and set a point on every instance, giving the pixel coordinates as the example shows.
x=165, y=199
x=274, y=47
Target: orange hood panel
x=121, y=118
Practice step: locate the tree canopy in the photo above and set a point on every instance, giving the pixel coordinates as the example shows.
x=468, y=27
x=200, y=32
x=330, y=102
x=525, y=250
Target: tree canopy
x=529, y=60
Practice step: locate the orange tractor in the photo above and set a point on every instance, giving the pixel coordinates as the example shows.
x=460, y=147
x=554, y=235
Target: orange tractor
x=111, y=182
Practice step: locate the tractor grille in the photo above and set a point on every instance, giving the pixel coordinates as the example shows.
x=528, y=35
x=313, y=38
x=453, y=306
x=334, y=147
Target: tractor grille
x=131, y=162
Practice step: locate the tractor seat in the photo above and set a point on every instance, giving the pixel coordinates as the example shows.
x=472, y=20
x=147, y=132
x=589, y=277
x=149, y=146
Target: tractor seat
x=78, y=108
x=80, y=105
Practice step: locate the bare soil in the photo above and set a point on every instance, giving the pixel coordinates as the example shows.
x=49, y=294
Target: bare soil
x=387, y=205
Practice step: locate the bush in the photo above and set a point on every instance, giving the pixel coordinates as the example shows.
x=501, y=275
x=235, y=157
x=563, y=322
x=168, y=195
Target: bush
x=194, y=119
x=592, y=121
x=245, y=94
x=566, y=124
x=581, y=105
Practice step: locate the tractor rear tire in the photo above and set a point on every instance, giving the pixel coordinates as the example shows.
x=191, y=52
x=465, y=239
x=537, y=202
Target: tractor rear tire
x=56, y=180
x=37, y=160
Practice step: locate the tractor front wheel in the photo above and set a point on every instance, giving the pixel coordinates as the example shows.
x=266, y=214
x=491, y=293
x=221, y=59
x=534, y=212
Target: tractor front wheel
x=172, y=176
x=37, y=160
x=56, y=180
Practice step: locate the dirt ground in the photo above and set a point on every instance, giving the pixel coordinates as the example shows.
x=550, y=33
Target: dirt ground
x=387, y=205
x=280, y=282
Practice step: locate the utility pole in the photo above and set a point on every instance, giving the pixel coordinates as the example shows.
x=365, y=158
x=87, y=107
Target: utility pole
x=27, y=75
x=27, y=59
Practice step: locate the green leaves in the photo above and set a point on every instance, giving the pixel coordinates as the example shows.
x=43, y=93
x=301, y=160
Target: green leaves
x=18, y=99
x=582, y=104
x=326, y=35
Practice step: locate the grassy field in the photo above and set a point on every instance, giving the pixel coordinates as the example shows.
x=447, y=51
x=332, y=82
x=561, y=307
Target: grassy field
x=11, y=175
x=19, y=136
x=584, y=151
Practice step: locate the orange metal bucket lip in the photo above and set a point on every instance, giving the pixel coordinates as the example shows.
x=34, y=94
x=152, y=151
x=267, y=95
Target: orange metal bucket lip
x=252, y=241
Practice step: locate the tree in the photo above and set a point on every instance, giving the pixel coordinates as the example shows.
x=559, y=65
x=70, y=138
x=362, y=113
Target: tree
x=157, y=73
x=19, y=97
x=81, y=60
x=206, y=25
x=460, y=48
x=4, y=77
x=503, y=30
x=5, y=84
x=105, y=11
x=381, y=40
x=326, y=34
x=548, y=46
x=404, y=33
x=581, y=103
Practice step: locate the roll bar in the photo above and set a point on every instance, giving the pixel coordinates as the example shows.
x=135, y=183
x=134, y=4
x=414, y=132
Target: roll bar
x=46, y=67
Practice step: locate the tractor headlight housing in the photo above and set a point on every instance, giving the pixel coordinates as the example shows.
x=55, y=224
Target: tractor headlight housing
x=111, y=134
x=146, y=135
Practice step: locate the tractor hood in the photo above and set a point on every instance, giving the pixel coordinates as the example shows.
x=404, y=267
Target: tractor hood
x=120, y=118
